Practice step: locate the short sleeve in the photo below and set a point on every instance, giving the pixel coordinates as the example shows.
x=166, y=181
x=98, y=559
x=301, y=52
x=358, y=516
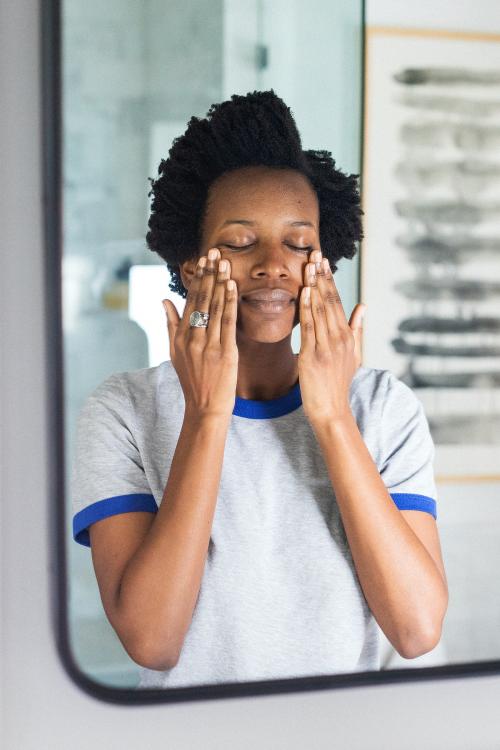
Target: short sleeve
x=107, y=475
x=407, y=449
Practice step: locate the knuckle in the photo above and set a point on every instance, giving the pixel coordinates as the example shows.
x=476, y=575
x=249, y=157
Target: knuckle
x=347, y=336
x=215, y=306
x=229, y=354
x=323, y=357
x=194, y=345
x=202, y=296
x=212, y=352
x=342, y=340
x=332, y=297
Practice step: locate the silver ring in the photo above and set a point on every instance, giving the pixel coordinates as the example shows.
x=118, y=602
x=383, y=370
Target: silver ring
x=199, y=319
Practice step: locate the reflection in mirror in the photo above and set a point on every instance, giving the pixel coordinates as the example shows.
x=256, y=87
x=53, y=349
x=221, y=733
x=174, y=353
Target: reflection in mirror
x=212, y=547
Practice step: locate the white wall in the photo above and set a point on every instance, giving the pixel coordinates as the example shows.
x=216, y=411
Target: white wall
x=468, y=513
x=454, y=15
x=41, y=707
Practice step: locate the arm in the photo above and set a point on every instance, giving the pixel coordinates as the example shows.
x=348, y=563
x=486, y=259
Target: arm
x=403, y=584
x=152, y=606
x=152, y=574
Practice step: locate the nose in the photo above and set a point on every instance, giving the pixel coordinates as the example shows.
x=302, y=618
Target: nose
x=275, y=260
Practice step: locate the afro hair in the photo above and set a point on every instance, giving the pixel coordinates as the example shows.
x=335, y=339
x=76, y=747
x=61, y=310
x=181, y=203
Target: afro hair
x=253, y=130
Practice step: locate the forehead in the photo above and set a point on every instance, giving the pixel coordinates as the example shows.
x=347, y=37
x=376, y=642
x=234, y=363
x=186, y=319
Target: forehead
x=256, y=193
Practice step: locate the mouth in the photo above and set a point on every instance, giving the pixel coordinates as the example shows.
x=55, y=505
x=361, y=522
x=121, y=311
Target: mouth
x=268, y=306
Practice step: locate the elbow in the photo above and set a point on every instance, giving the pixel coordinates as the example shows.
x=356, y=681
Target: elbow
x=150, y=656
x=152, y=660
x=421, y=642
x=147, y=646
x=159, y=666
x=418, y=647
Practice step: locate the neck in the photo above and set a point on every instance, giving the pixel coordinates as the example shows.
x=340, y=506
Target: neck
x=266, y=371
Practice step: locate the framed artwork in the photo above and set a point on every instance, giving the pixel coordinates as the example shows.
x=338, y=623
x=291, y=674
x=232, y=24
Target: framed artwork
x=430, y=262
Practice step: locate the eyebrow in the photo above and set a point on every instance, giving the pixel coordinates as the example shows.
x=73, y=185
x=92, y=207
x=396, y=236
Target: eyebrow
x=251, y=223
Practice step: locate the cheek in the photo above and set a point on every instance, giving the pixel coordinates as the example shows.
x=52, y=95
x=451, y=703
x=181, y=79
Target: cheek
x=303, y=267
x=234, y=270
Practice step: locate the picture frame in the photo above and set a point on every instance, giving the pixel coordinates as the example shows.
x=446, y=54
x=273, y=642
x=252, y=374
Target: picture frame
x=430, y=260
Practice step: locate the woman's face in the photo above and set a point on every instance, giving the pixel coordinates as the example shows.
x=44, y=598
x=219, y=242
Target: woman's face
x=266, y=223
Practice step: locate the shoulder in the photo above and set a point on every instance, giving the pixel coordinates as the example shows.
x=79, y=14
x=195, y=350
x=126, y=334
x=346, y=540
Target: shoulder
x=123, y=393
x=380, y=387
x=383, y=404
x=370, y=387
x=135, y=385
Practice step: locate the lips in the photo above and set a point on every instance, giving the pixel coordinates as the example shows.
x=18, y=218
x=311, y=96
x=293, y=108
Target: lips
x=277, y=296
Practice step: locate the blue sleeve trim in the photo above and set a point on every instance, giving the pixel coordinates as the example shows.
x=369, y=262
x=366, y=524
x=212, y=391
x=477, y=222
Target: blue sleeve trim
x=111, y=506
x=408, y=501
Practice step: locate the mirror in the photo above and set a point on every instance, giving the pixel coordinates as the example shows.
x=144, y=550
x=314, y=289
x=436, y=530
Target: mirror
x=132, y=77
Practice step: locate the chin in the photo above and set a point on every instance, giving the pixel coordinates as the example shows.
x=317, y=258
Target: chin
x=267, y=329
x=270, y=333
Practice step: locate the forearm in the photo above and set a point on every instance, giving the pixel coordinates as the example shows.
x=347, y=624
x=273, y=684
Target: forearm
x=161, y=583
x=401, y=582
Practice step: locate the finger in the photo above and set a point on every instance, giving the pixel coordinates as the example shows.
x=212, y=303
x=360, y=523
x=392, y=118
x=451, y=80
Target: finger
x=356, y=319
x=356, y=325
x=204, y=293
x=217, y=303
x=173, y=320
x=228, y=321
x=192, y=293
x=335, y=314
x=307, y=337
x=318, y=309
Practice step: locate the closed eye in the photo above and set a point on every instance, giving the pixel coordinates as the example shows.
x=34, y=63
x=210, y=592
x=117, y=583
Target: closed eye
x=295, y=247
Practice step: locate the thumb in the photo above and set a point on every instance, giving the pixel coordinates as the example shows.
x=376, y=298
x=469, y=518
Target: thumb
x=357, y=329
x=173, y=317
x=171, y=311
x=357, y=315
x=172, y=322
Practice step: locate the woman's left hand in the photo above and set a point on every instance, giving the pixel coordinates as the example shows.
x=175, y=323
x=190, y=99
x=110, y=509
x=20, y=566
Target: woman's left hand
x=330, y=351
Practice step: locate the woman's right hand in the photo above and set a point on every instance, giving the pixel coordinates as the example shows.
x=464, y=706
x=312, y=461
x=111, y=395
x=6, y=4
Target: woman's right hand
x=206, y=359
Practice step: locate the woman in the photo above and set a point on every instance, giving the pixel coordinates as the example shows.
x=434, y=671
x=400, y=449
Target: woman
x=252, y=513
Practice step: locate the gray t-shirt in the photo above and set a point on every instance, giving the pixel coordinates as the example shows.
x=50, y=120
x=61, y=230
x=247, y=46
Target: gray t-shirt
x=280, y=596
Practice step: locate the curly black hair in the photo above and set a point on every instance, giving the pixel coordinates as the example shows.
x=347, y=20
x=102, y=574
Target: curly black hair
x=253, y=130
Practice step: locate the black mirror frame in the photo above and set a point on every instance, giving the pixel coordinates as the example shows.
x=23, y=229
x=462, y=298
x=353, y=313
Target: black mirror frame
x=51, y=98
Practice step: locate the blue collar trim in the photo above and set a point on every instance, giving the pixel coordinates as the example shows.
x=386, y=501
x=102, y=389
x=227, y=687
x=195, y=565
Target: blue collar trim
x=275, y=407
